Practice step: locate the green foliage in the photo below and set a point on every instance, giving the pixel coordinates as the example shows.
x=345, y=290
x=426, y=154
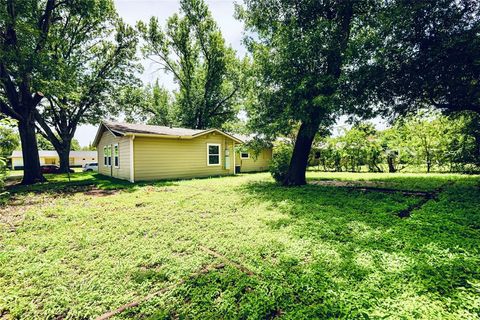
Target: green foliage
x=98, y=56
x=300, y=51
x=316, y=251
x=9, y=139
x=282, y=153
x=192, y=49
x=151, y=104
x=44, y=144
x=420, y=54
x=425, y=141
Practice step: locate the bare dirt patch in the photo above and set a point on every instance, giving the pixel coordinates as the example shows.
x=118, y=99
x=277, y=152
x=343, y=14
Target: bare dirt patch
x=99, y=192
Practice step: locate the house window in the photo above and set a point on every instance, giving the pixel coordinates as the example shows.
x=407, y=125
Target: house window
x=109, y=155
x=116, y=156
x=213, y=154
x=105, y=156
x=244, y=155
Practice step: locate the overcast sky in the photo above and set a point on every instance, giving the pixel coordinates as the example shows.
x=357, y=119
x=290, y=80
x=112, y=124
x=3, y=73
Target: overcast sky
x=135, y=10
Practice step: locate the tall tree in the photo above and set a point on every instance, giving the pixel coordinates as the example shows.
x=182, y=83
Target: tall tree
x=24, y=62
x=97, y=57
x=300, y=57
x=192, y=49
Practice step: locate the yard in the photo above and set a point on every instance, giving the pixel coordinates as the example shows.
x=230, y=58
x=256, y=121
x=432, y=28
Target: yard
x=345, y=246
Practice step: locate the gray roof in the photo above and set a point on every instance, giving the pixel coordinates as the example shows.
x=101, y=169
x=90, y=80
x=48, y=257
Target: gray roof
x=122, y=128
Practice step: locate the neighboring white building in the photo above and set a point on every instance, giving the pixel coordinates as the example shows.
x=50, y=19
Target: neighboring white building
x=77, y=158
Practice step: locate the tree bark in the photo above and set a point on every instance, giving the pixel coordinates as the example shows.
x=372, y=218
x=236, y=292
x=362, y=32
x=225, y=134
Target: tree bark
x=391, y=164
x=64, y=155
x=303, y=144
x=31, y=161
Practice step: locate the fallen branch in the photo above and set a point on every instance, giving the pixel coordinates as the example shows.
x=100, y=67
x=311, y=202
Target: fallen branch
x=135, y=303
x=427, y=197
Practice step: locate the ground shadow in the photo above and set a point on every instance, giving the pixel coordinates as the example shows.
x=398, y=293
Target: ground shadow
x=434, y=253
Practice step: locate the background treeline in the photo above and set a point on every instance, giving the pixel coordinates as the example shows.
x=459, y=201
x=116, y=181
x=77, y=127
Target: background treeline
x=422, y=142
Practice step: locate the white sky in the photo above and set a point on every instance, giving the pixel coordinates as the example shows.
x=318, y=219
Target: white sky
x=134, y=10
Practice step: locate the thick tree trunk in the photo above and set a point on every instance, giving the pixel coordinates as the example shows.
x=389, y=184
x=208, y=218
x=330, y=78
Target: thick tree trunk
x=303, y=144
x=391, y=164
x=31, y=160
x=64, y=155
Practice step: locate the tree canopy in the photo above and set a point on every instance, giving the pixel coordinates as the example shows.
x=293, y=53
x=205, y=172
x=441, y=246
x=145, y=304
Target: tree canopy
x=300, y=50
x=419, y=54
x=97, y=53
x=192, y=49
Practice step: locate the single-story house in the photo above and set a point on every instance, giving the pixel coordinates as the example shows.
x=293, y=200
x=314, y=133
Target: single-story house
x=138, y=152
x=77, y=158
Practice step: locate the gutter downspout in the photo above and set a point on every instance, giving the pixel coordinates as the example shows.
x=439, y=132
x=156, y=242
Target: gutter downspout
x=132, y=167
x=234, y=156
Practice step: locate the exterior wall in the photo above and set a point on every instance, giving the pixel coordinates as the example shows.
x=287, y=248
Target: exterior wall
x=78, y=161
x=254, y=164
x=123, y=170
x=160, y=158
x=17, y=162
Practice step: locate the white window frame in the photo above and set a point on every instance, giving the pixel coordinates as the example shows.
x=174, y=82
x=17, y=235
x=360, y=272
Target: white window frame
x=115, y=146
x=219, y=154
x=242, y=157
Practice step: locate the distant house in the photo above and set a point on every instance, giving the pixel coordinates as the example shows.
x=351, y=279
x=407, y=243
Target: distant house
x=138, y=152
x=77, y=158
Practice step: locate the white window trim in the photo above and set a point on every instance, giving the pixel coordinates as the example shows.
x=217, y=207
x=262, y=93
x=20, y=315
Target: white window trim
x=113, y=155
x=219, y=154
x=247, y=157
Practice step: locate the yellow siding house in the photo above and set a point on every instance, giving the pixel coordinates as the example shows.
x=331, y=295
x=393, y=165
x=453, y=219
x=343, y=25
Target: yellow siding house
x=138, y=152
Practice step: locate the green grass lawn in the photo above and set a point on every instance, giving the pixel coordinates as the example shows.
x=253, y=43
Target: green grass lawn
x=317, y=251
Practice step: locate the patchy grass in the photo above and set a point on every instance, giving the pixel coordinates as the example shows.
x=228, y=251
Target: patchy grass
x=316, y=251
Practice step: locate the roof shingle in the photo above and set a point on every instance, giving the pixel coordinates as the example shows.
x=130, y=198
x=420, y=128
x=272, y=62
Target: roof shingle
x=123, y=128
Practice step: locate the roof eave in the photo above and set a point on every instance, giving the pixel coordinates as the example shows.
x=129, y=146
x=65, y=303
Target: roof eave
x=218, y=131
x=98, y=135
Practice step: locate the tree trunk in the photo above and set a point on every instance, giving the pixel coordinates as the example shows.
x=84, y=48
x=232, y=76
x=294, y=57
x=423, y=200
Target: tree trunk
x=31, y=160
x=391, y=164
x=303, y=144
x=64, y=155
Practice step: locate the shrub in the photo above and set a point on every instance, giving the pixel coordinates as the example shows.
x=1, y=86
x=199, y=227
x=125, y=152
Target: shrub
x=282, y=154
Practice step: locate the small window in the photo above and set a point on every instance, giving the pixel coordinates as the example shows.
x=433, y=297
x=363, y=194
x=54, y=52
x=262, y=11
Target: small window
x=213, y=154
x=244, y=155
x=116, y=156
x=105, y=156
x=109, y=156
